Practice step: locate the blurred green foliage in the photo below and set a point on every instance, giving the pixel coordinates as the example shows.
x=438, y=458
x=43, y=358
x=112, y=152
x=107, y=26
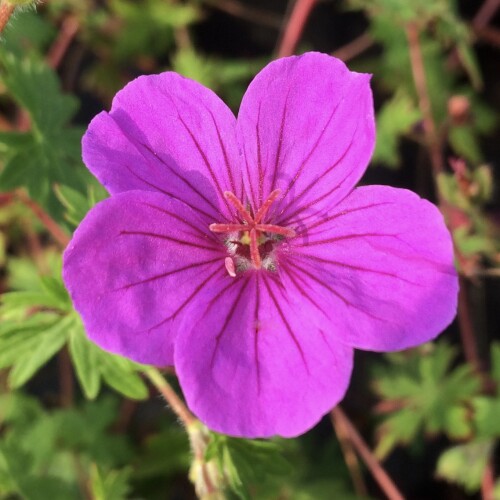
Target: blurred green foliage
x=51, y=448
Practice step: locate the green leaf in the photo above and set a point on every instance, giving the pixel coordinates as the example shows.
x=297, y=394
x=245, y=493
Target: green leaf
x=122, y=375
x=465, y=464
x=85, y=357
x=27, y=31
x=395, y=118
x=111, y=485
x=36, y=88
x=427, y=393
x=50, y=151
x=486, y=412
x=49, y=342
x=465, y=143
x=154, y=462
x=495, y=361
x=76, y=204
x=245, y=462
x=18, y=340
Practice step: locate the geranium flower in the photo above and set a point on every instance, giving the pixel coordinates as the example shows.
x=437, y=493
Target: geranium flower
x=239, y=251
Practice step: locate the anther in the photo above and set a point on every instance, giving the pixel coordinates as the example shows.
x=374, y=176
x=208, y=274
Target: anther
x=229, y=263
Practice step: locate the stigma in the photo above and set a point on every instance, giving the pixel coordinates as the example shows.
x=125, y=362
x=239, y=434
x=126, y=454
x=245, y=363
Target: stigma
x=252, y=233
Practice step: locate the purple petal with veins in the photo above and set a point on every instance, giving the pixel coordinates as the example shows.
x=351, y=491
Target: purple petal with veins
x=240, y=251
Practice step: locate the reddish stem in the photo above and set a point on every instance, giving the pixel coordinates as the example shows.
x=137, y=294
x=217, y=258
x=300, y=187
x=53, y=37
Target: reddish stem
x=354, y=48
x=380, y=475
x=466, y=327
x=48, y=222
x=68, y=31
x=418, y=70
x=485, y=13
x=488, y=482
x=175, y=402
x=295, y=26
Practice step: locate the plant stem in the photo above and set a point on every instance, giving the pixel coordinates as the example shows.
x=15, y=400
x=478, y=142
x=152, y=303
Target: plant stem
x=48, y=222
x=488, y=482
x=6, y=10
x=485, y=13
x=295, y=26
x=418, y=70
x=380, y=475
x=466, y=327
x=349, y=455
x=247, y=12
x=175, y=402
x=354, y=48
x=69, y=29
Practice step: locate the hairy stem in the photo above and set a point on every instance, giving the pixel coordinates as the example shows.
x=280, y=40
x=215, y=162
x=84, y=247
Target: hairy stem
x=379, y=474
x=175, y=402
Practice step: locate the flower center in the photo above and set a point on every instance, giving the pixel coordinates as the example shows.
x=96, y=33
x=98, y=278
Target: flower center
x=251, y=240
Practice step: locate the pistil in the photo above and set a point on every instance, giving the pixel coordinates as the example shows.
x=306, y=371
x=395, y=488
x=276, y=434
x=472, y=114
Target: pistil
x=252, y=226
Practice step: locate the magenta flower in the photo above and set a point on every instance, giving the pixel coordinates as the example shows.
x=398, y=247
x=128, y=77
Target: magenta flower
x=240, y=251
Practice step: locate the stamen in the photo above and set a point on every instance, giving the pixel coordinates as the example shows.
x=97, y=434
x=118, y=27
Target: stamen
x=227, y=228
x=229, y=263
x=239, y=206
x=271, y=228
x=253, y=231
x=254, y=249
x=266, y=205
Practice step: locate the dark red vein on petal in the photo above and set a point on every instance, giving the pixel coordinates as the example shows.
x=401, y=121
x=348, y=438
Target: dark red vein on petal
x=345, y=212
x=228, y=319
x=204, y=234
x=165, y=237
x=259, y=157
x=196, y=291
x=315, y=182
x=324, y=337
x=285, y=323
x=325, y=285
x=346, y=237
x=298, y=173
x=224, y=152
x=280, y=141
x=203, y=155
x=167, y=274
x=249, y=177
x=172, y=195
x=356, y=268
x=256, y=332
x=294, y=276
x=182, y=178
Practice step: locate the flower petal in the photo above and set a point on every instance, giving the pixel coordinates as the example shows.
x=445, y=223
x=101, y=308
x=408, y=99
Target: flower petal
x=306, y=127
x=168, y=134
x=382, y=263
x=134, y=264
x=253, y=359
